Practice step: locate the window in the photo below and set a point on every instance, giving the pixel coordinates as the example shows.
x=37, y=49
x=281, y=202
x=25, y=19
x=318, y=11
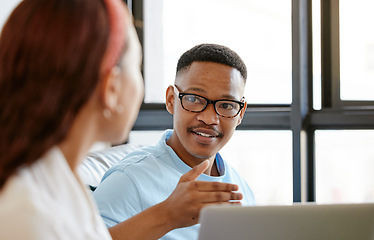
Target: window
x=344, y=166
x=356, y=50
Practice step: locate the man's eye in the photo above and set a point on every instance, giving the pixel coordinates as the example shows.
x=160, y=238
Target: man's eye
x=193, y=99
x=226, y=106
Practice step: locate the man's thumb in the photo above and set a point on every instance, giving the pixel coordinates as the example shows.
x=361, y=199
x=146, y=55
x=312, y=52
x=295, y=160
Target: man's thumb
x=195, y=172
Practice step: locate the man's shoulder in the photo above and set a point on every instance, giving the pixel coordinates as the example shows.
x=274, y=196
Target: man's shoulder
x=145, y=169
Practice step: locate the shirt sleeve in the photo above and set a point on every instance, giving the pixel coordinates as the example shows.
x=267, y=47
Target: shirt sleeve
x=117, y=198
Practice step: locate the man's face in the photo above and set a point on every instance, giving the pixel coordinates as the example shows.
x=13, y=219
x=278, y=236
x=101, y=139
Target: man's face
x=201, y=135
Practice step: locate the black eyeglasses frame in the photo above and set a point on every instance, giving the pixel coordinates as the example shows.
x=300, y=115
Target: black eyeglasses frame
x=181, y=95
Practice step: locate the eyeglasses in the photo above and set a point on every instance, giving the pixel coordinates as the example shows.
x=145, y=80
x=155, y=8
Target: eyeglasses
x=196, y=103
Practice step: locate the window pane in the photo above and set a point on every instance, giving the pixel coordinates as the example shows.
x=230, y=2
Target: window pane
x=259, y=31
x=357, y=50
x=263, y=158
x=316, y=18
x=344, y=166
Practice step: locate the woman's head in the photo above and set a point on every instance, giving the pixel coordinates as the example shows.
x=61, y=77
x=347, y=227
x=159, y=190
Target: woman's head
x=53, y=56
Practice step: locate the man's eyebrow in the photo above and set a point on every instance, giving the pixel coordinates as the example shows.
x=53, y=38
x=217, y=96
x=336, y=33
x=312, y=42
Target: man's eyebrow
x=200, y=90
x=229, y=96
x=195, y=89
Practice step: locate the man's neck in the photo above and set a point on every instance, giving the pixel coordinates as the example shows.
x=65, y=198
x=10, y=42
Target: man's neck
x=214, y=170
x=192, y=161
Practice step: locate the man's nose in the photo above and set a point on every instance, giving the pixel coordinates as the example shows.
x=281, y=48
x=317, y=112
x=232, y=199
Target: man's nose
x=209, y=115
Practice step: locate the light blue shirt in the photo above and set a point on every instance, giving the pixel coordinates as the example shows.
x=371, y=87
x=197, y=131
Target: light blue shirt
x=147, y=177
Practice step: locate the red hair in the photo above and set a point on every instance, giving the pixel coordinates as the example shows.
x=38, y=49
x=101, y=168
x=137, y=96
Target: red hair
x=51, y=53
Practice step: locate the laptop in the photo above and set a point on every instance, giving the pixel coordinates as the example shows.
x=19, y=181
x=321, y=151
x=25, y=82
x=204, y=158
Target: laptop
x=296, y=222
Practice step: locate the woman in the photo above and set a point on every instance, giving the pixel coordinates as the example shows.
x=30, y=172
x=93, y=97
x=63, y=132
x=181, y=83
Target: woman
x=69, y=77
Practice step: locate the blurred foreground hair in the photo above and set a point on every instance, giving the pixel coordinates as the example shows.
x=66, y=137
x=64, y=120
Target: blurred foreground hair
x=50, y=57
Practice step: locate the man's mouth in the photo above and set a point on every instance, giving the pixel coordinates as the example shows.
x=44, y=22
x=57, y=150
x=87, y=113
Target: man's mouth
x=204, y=134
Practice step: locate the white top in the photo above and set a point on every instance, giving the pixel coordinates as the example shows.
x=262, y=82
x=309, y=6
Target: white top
x=47, y=201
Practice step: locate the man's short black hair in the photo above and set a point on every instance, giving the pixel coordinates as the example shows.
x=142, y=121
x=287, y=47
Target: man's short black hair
x=212, y=53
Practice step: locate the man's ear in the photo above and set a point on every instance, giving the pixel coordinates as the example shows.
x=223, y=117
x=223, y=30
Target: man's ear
x=111, y=89
x=170, y=99
x=241, y=114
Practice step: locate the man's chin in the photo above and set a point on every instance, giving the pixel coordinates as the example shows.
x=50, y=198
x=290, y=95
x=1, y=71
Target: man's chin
x=203, y=155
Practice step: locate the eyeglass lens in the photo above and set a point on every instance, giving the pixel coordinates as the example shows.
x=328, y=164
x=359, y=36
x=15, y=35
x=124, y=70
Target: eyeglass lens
x=197, y=104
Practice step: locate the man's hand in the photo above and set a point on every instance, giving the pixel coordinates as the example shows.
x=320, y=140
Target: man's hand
x=189, y=197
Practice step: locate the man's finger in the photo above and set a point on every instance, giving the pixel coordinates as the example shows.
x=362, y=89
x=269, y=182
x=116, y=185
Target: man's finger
x=195, y=172
x=217, y=197
x=205, y=186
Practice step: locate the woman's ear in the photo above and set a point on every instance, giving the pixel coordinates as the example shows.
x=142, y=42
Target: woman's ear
x=110, y=90
x=170, y=99
x=241, y=114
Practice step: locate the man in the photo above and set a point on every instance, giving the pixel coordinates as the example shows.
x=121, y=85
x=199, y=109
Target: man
x=207, y=105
